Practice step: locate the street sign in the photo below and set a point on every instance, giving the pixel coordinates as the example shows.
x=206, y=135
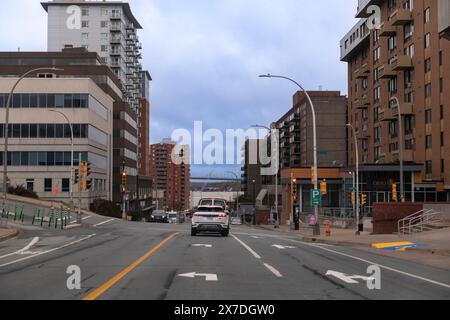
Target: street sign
x=316, y=198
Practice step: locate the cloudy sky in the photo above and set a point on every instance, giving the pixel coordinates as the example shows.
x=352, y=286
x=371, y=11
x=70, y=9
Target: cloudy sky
x=205, y=55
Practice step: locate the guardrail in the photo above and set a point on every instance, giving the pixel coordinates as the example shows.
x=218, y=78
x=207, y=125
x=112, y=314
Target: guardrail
x=418, y=222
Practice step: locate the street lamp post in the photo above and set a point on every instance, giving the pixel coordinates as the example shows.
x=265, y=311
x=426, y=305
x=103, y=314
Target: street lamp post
x=400, y=145
x=71, y=161
x=237, y=193
x=316, y=173
x=276, y=175
x=5, y=130
x=357, y=179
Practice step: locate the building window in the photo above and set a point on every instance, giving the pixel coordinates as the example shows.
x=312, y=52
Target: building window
x=408, y=30
x=65, y=185
x=427, y=65
x=442, y=112
x=85, y=24
x=428, y=116
x=85, y=36
x=426, y=15
x=429, y=142
x=427, y=40
x=428, y=167
x=48, y=185
x=442, y=139
x=428, y=90
x=85, y=12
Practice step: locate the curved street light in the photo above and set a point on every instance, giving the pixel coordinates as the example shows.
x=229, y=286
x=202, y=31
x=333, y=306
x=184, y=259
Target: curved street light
x=357, y=178
x=237, y=193
x=400, y=146
x=313, y=112
x=6, y=133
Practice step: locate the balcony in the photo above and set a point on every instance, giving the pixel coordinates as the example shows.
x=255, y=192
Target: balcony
x=116, y=16
x=357, y=38
x=407, y=109
x=388, y=115
x=401, y=17
x=362, y=72
x=402, y=63
x=364, y=102
x=362, y=135
x=386, y=72
x=388, y=30
x=116, y=40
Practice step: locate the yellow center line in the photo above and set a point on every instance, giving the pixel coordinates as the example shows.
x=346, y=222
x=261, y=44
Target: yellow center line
x=105, y=287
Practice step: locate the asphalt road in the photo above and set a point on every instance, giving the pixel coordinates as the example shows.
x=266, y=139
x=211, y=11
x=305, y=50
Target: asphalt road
x=124, y=260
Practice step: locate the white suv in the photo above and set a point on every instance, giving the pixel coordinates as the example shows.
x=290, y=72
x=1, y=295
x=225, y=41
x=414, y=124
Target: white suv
x=210, y=219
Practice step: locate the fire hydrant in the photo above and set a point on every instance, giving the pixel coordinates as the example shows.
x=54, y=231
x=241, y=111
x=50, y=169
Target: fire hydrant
x=328, y=228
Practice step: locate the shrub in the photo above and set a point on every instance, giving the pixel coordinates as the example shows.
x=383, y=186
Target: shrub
x=21, y=191
x=106, y=208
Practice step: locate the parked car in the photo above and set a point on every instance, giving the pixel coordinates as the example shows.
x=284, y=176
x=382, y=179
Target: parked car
x=173, y=217
x=210, y=219
x=159, y=216
x=236, y=221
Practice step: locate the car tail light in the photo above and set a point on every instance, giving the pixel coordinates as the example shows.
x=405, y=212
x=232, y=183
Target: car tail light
x=222, y=215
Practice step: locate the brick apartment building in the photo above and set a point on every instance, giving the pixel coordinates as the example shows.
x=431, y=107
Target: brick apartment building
x=171, y=181
x=407, y=58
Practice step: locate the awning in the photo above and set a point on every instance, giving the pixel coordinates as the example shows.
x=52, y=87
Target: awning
x=260, y=198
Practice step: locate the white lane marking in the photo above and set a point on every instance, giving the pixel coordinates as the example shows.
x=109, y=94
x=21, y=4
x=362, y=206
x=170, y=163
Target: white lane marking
x=207, y=276
x=346, y=278
x=24, y=250
x=104, y=222
x=273, y=270
x=257, y=256
x=48, y=251
x=202, y=245
x=82, y=219
x=282, y=247
x=380, y=265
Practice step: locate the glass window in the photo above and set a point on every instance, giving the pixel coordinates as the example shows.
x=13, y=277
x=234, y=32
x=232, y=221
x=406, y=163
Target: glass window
x=33, y=101
x=50, y=159
x=42, y=101
x=67, y=131
x=50, y=130
x=2, y=130
x=16, y=101
x=59, y=101
x=33, y=159
x=25, y=101
x=24, y=158
x=16, y=131
x=48, y=185
x=50, y=101
x=76, y=131
x=42, y=158
x=25, y=130
x=68, y=101
x=65, y=185
x=84, y=99
x=2, y=101
x=84, y=133
x=15, y=158
x=33, y=131
x=59, y=159
x=59, y=128
x=77, y=101
x=67, y=158
x=42, y=130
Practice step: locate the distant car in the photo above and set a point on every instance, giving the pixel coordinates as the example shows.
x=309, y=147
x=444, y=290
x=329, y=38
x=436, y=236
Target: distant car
x=173, y=217
x=210, y=219
x=159, y=216
x=236, y=221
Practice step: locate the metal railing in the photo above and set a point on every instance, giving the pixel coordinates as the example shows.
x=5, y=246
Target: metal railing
x=418, y=222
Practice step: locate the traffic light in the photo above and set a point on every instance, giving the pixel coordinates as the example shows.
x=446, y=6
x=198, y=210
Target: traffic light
x=364, y=199
x=353, y=198
x=124, y=182
x=323, y=187
x=88, y=169
x=88, y=185
x=83, y=170
x=76, y=176
x=394, y=192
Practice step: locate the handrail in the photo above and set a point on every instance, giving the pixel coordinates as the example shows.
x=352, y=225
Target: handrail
x=416, y=221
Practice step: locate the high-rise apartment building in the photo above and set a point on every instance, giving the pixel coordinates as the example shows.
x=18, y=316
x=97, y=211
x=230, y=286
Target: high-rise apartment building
x=109, y=28
x=170, y=178
x=406, y=59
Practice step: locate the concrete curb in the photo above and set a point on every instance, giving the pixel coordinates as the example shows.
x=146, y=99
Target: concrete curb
x=14, y=233
x=441, y=252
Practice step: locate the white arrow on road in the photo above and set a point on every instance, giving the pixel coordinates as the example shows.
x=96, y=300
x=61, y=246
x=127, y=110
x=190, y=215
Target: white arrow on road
x=346, y=278
x=192, y=275
x=203, y=245
x=282, y=247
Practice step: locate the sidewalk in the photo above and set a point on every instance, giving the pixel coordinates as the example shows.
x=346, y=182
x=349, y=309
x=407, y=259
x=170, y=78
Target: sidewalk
x=434, y=242
x=6, y=234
